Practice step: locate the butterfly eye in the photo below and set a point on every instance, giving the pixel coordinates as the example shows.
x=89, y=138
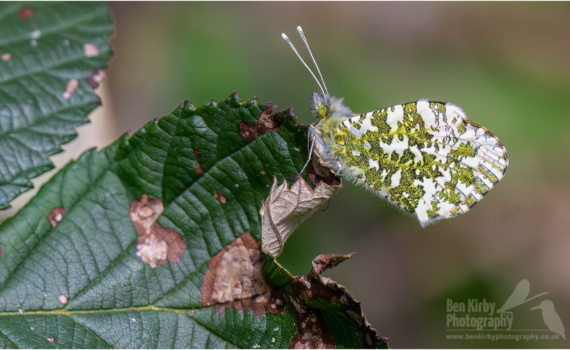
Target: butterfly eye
x=322, y=111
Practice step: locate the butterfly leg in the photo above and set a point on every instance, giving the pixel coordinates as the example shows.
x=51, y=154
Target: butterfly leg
x=310, y=145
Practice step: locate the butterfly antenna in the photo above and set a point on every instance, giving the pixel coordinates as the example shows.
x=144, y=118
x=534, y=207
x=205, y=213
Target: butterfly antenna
x=306, y=66
x=300, y=30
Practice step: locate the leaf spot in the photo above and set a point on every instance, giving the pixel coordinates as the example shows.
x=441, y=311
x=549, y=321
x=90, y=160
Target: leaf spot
x=90, y=50
x=197, y=153
x=247, y=131
x=36, y=34
x=239, y=266
x=62, y=299
x=56, y=215
x=156, y=244
x=219, y=197
x=198, y=168
x=315, y=334
x=266, y=123
x=96, y=78
x=26, y=12
x=236, y=278
x=70, y=88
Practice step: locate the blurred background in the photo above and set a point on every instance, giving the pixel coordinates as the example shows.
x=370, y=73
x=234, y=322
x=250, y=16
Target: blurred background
x=506, y=64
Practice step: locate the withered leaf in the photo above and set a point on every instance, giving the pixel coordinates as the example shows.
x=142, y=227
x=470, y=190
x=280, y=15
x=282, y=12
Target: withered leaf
x=285, y=209
x=310, y=290
x=237, y=279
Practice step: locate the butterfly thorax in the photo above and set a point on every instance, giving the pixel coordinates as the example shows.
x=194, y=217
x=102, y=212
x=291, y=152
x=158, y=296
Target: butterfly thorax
x=330, y=113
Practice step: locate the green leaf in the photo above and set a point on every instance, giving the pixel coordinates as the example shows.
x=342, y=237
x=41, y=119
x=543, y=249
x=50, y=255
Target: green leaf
x=51, y=56
x=154, y=242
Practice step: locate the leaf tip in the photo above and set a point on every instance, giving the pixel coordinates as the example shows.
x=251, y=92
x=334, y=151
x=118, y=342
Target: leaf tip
x=328, y=261
x=235, y=96
x=186, y=105
x=253, y=100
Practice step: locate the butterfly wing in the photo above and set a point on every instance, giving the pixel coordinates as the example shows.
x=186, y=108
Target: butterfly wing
x=424, y=157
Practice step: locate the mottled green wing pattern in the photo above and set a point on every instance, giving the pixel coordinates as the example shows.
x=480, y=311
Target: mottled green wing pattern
x=424, y=157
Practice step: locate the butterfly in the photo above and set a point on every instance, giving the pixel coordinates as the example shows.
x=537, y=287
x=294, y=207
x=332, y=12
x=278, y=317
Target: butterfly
x=424, y=157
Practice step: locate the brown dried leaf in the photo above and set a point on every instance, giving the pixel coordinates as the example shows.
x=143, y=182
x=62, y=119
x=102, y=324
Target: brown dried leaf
x=285, y=209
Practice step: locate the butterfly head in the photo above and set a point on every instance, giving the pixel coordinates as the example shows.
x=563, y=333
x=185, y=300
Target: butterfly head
x=321, y=105
x=326, y=106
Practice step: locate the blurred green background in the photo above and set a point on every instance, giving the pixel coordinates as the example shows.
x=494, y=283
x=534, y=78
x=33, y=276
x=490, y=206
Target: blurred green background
x=506, y=64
